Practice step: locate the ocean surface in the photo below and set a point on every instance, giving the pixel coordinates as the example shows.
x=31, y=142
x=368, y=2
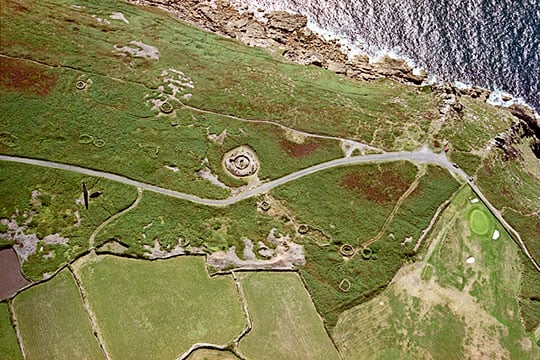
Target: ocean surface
x=494, y=44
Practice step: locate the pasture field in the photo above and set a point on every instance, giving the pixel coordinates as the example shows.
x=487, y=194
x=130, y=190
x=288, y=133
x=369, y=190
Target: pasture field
x=321, y=200
x=285, y=322
x=360, y=191
x=158, y=309
x=208, y=354
x=53, y=322
x=48, y=202
x=9, y=348
x=462, y=309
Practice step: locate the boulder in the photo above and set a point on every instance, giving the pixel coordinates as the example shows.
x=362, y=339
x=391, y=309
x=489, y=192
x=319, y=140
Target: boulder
x=338, y=68
x=285, y=21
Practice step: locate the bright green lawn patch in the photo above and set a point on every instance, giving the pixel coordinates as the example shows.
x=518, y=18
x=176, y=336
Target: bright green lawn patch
x=57, y=208
x=285, y=323
x=479, y=222
x=53, y=322
x=158, y=309
x=9, y=348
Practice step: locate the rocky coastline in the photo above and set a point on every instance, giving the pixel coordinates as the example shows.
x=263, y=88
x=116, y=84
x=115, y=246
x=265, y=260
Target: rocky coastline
x=287, y=35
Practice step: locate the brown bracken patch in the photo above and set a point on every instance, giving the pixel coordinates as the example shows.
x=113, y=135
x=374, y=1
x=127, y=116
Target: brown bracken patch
x=11, y=278
x=21, y=76
x=299, y=150
x=379, y=186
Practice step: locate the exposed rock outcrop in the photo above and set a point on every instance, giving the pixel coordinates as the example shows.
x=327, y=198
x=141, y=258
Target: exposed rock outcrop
x=287, y=34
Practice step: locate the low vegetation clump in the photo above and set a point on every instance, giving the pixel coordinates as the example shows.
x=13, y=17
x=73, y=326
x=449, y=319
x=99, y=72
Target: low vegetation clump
x=158, y=309
x=53, y=322
x=320, y=200
x=416, y=212
x=173, y=222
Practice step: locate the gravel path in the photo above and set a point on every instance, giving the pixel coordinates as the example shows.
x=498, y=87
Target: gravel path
x=423, y=155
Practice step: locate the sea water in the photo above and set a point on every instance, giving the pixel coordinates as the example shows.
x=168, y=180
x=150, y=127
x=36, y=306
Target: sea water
x=490, y=43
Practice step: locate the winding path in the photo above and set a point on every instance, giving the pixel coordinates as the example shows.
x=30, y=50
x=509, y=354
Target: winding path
x=421, y=156
x=424, y=155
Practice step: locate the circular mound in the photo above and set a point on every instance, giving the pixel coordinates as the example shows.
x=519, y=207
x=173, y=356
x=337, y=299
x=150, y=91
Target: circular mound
x=99, y=143
x=86, y=139
x=366, y=253
x=303, y=229
x=166, y=108
x=345, y=285
x=80, y=85
x=265, y=206
x=241, y=162
x=346, y=250
x=479, y=222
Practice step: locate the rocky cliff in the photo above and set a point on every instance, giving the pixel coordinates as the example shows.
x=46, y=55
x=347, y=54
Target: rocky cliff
x=287, y=34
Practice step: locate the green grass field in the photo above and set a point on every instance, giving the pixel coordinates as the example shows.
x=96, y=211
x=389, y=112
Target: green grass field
x=9, y=348
x=460, y=310
x=57, y=209
x=228, y=78
x=285, y=322
x=207, y=354
x=158, y=309
x=367, y=194
x=512, y=187
x=53, y=322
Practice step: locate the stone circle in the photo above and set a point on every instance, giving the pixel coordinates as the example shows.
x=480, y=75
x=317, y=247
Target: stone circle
x=166, y=108
x=265, y=206
x=303, y=229
x=345, y=285
x=346, y=250
x=241, y=162
x=366, y=253
x=80, y=85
